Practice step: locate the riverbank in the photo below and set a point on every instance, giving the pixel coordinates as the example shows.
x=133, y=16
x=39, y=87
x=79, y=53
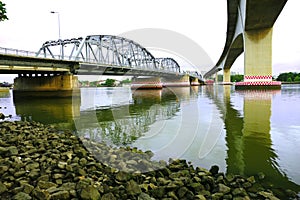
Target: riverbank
x=291, y=83
x=39, y=162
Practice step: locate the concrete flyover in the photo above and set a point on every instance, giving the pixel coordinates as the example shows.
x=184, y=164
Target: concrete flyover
x=249, y=29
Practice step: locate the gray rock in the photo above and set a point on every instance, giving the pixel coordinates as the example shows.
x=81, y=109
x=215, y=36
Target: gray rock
x=46, y=184
x=223, y=188
x=3, y=150
x=61, y=165
x=19, y=173
x=58, y=176
x=123, y=176
x=22, y=196
x=12, y=151
x=108, y=196
x=133, y=188
x=61, y=195
x=182, y=191
x=40, y=194
x=268, y=195
x=200, y=197
x=3, y=169
x=143, y=196
x=32, y=166
x=239, y=192
x=90, y=193
x=3, y=188
x=27, y=188
x=34, y=174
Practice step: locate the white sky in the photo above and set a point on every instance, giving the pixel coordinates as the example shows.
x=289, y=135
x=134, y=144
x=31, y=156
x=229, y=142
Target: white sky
x=30, y=24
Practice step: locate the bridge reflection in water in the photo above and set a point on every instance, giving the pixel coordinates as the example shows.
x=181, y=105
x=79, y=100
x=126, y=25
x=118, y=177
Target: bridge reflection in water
x=56, y=111
x=123, y=124
x=248, y=138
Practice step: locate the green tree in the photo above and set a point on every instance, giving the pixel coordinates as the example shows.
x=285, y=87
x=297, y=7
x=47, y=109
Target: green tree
x=3, y=15
x=109, y=82
x=93, y=84
x=236, y=78
x=287, y=76
x=125, y=81
x=297, y=79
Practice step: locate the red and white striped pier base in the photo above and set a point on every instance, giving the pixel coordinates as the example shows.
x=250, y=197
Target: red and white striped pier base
x=258, y=82
x=147, y=83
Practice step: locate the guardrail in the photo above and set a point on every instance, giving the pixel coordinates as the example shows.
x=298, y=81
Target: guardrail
x=17, y=52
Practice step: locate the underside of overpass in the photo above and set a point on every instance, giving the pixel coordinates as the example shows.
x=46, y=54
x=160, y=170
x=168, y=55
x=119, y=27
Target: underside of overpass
x=249, y=29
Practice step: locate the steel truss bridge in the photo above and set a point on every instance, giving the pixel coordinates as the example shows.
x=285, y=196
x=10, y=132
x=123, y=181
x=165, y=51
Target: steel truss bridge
x=92, y=55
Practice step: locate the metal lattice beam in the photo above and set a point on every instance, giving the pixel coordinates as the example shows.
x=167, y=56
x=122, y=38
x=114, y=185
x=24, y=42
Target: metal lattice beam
x=100, y=49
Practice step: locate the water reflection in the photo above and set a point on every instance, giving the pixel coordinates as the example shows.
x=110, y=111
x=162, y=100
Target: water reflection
x=58, y=111
x=248, y=137
x=123, y=124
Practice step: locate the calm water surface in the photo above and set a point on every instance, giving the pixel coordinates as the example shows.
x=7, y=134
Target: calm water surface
x=243, y=132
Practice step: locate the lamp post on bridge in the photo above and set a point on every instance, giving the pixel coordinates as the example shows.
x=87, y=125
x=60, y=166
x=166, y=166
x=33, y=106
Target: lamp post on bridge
x=53, y=12
x=59, y=36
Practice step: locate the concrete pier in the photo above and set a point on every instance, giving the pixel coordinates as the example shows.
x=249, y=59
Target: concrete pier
x=258, y=61
x=194, y=82
x=226, y=77
x=146, y=83
x=56, y=86
x=176, y=81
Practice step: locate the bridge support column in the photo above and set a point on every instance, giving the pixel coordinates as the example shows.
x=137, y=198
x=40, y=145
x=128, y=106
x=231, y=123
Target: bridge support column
x=176, y=81
x=194, y=81
x=258, y=60
x=216, y=78
x=226, y=77
x=147, y=83
x=54, y=86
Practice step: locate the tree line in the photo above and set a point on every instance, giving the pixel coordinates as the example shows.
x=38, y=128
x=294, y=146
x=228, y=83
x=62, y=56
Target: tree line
x=289, y=77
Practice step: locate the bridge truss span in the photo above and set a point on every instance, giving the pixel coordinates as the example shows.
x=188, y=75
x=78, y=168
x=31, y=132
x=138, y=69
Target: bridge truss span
x=105, y=50
x=169, y=63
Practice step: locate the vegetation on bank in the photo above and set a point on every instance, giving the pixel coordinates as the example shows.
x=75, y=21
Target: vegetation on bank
x=289, y=77
x=233, y=78
x=107, y=83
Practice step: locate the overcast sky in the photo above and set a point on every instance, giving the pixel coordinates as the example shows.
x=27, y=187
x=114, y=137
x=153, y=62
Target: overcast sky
x=30, y=24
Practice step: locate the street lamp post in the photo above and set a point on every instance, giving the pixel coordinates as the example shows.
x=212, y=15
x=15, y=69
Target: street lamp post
x=53, y=12
x=59, y=37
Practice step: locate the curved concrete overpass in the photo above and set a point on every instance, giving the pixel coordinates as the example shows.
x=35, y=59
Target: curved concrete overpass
x=249, y=29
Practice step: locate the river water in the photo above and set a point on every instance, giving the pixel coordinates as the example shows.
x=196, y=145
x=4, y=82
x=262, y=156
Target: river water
x=243, y=132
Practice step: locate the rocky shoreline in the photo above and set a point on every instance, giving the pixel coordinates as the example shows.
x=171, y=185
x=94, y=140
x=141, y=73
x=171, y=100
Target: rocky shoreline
x=39, y=162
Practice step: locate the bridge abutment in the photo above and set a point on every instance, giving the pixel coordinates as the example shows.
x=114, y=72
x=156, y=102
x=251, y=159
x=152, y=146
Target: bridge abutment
x=258, y=60
x=176, y=81
x=56, y=86
x=194, y=81
x=146, y=83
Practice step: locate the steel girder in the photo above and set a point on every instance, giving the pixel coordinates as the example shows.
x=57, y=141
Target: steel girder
x=167, y=64
x=105, y=50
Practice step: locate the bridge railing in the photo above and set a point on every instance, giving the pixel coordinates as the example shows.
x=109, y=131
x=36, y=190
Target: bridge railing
x=17, y=52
